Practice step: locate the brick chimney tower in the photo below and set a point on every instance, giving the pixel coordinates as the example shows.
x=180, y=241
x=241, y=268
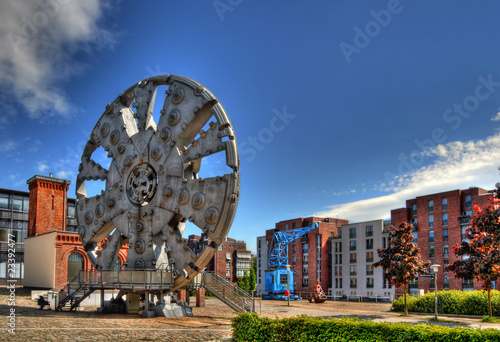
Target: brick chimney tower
x=48, y=208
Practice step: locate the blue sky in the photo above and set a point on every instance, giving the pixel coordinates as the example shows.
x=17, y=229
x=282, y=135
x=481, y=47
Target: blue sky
x=342, y=109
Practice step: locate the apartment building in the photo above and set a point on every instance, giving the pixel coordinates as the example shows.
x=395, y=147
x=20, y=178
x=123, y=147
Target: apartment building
x=262, y=254
x=439, y=222
x=354, y=252
x=309, y=255
x=231, y=260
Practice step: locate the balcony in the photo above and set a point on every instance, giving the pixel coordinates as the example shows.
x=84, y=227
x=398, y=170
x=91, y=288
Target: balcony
x=352, y=261
x=369, y=272
x=353, y=286
x=369, y=246
x=413, y=285
x=370, y=286
x=464, y=220
x=369, y=259
x=352, y=248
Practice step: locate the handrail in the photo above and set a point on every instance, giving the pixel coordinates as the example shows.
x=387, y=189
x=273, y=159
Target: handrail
x=231, y=293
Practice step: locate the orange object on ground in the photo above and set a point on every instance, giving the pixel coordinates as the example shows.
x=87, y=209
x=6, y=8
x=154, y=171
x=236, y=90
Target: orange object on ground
x=317, y=295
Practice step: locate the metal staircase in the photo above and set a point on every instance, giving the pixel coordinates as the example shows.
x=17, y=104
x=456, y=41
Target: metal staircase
x=72, y=295
x=228, y=293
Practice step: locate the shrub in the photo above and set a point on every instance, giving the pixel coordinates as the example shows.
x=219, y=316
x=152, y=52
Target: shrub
x=452, y=302
x=250, y=327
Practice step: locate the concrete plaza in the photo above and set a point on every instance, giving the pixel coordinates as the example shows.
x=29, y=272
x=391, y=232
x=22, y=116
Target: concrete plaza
x=210, y=323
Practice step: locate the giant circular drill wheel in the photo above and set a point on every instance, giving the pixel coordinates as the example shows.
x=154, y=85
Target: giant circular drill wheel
x=152, y=184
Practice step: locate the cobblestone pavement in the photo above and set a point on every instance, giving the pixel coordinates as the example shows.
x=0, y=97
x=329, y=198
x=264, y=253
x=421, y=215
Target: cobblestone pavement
x=211, y=323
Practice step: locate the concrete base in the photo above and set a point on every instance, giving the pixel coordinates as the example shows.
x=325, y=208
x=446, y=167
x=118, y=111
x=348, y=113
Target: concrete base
x=172, y=310
x=148, y=314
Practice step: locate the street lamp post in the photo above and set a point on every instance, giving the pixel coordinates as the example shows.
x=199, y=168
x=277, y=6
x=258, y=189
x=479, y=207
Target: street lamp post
x=288, y=282
x=435, y=270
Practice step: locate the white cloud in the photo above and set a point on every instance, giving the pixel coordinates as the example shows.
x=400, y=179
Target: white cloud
x=37, y=41
x=457, y=165
x=42, y=166
x=7, y=146
x=496, y=117
x=65, y=174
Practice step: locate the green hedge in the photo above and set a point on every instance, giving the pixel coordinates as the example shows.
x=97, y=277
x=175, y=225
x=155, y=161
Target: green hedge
x=250, y=327
x=452, y=302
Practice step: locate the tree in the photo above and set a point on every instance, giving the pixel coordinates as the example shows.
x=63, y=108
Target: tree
x=480, y=251
x=401, y=260
x=249, y=280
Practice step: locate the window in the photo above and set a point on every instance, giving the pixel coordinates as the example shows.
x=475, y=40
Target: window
x=353, y=283
x=431, y=236
x=4, y=202
x=338, y=271
x=293, y=225
x=293, y=249
x=445, y=251
x=305, y=281
x=294, y=261
x=431, y=221
x=283, y=279
x=352, y=258
x=17, y=204
x=228, y=264
x=228, y=255
x=220, y=247
x=228, y=273
x=414, y=283
x=445, y=235
x=240, y=273
x=444, y=204
x=414, y=209
x=305, y=248
x=431, y=251
x=353, y=270
x=445, y=263
x=286, y=226
x=468, y=201
x=369, y=243
x=369, y=282
x=352, y=233
x=467, y=284
x=318, y=241
x=352, y=245
x=304, y=259
x=446, y=282
x=369, y=230
x=384, y=242
x=369, y=256
x=464, y=232
x=340, y=258
x=369, y=269
x=430, y=206
x=415, y=237
x=258, y=243
x=445, y=219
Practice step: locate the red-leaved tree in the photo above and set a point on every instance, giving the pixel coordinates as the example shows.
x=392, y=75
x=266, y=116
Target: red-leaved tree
x=401, y=260
x=482, y=248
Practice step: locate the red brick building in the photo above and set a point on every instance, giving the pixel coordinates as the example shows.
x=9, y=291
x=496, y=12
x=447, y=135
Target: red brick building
x=63, y=254
x=439, y=222
x=231, y=260
x=310, y=255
